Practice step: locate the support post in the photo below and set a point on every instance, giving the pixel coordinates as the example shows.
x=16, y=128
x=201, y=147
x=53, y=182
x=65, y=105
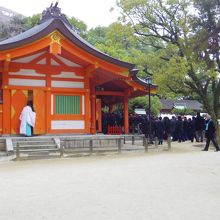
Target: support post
x=145, y=143
x=156, y=142
x=132, y=139
x=17, y=151
x=126, y=121
x=119, y=145
x=169, y=142
x=90, y=146
x=61, y=149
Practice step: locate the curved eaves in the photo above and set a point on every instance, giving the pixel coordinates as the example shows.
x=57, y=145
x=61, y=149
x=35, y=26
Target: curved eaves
x=139, y=80
x=48, y=27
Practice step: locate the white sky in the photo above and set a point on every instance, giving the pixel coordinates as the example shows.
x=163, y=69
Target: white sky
x=93, y=12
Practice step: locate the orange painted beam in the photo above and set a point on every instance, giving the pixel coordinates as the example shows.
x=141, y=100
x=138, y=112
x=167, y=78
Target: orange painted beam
x=26, y=77
x=67, y=117
x=66, y=91
x=26, y=49
x=73, y=49
x=49, y=69
x=62, y=131
x=109, y=93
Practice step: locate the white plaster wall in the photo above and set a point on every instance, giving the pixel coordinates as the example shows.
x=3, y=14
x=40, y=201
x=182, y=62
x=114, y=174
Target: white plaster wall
x=65, y=84
x=28, y=59
x=67, y=124
x=67, y=62
x=27, y=82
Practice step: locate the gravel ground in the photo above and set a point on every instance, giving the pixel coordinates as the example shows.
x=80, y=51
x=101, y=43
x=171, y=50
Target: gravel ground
x=180, y=184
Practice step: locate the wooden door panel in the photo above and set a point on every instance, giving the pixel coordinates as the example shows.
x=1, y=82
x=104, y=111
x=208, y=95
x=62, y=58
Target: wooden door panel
x=39, y=107
x=19, y=99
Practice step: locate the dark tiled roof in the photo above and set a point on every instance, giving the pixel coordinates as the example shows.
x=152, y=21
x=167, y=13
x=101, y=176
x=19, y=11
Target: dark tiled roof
x=140, y=80
x=190, y=104
x=50, y=24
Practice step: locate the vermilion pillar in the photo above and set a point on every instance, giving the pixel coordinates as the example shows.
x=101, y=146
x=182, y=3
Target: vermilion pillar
x=93, y=110
x=93, y=118
x=6, y=111
x=6, y=108
x=110, y=108
x=87, y=104
x=126, y=122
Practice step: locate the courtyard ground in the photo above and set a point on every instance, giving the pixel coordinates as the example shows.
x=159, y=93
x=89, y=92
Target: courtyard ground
x=181, y=184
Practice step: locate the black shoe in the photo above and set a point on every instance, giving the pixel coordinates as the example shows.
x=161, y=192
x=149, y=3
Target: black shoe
x=204, y=150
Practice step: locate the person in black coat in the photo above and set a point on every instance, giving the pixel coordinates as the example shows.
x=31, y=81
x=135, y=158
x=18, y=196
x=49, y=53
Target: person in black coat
x=159, y=130
x=199, y=124
x=179, y=129
x=210, y=133
x=173, y=132
x=167, y=127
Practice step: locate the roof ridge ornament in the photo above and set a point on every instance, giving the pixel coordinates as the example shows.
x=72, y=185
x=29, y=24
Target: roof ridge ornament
x=54, y=12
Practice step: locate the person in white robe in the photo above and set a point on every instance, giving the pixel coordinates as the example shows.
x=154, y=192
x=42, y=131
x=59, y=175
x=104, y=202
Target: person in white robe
x=28, y=118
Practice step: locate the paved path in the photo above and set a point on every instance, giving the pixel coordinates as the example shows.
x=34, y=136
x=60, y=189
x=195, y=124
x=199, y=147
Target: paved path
x=177, y=185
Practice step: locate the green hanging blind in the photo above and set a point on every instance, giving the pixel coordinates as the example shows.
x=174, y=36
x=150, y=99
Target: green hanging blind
x=67, y=104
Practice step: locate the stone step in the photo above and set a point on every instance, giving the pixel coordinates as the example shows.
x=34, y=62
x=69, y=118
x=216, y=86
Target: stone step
x=33, y=141
x=39, y=157
x=2, y=145
x=3, y=154
x=37, y=146
x=39, y=150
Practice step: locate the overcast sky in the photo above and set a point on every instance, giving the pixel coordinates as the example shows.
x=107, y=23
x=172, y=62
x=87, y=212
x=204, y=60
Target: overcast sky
x=92, y=12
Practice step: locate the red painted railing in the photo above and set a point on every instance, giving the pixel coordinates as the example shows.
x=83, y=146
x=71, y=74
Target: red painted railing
x=114, y=129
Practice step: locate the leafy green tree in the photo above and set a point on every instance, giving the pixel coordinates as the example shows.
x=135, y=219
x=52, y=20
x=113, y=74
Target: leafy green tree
x=119, y=41
x=184, y=111
x=184, y=60
x=143, y=102
x=79, y=26
x=32, y=21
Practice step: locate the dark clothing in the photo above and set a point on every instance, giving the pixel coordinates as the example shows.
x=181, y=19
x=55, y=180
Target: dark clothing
x=145, y=127
x=199, y=124
x=104, y=123
x=191, y=130
x=159, y=130
x=173, y=129
x=167, y=127
x=179, y=130
x=210, y=135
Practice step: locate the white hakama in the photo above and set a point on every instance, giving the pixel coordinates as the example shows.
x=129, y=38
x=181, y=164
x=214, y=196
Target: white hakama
x=28, y=118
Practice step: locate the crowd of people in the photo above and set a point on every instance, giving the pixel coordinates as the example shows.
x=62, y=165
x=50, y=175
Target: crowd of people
x=179, y=128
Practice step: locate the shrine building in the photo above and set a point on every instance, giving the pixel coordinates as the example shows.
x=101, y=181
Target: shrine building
x=67, y=79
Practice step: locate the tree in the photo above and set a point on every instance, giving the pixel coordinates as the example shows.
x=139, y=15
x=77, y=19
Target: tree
x=32, y=21
x=142, y=102
x=184, y=60
x=184, y=111
x=15, y=26
x=79, y=26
